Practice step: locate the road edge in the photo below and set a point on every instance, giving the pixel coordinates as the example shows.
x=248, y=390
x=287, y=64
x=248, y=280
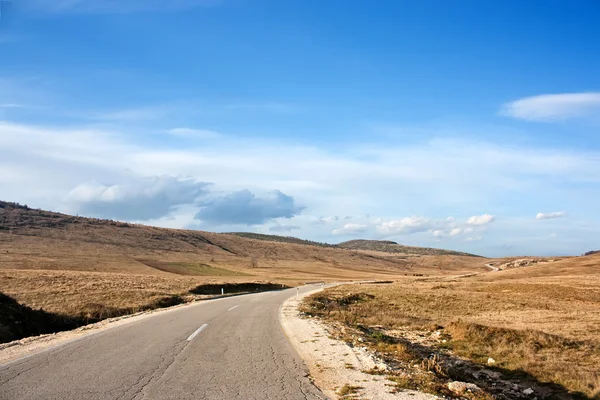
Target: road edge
x=333, y=364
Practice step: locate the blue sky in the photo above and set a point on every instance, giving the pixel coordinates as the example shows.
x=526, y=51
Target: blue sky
x=466, y=125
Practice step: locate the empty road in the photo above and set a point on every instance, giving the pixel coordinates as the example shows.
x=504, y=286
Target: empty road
x=231, y=348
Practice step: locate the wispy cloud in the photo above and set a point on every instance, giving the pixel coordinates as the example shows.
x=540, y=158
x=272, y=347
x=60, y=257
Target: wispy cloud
x=445, y=228
x=479, y=220
x=40, y=165
x=406, y=225
x=554, y=107
x=350, y=229
x=550, y=215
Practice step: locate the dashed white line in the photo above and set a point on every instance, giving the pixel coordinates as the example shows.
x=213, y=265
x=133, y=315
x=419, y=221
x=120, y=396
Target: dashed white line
x=233, y=307
x=193, y=335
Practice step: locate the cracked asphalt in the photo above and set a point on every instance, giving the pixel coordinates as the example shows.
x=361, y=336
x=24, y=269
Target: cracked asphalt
x=241, y=354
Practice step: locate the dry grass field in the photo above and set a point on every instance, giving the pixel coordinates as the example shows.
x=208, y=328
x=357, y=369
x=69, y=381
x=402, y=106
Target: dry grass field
x=540, y=324
x=89, y=269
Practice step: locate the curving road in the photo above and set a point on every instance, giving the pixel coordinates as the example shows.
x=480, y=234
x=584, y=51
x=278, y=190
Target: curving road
x=230, y=348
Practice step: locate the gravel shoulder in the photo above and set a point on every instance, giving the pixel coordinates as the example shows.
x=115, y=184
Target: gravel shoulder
x=336, y=368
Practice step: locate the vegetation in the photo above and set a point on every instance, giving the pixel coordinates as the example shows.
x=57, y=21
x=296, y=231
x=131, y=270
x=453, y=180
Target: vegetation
x=281, y=239
x=87, y=269
x=92, y=297
x=388, y=246
x=540, y=326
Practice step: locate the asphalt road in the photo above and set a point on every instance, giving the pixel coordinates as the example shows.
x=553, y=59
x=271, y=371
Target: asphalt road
x=230, y=348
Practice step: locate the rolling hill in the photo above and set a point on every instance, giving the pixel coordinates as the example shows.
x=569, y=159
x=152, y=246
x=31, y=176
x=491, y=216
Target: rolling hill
x=87, y=269
x=388, y=246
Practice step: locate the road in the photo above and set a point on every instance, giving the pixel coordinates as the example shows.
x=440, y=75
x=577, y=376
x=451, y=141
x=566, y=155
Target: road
x=494, y=269
x=230, y=348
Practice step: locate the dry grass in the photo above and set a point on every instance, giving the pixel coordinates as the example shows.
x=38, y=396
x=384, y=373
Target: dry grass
x=347, y=391
x=93, y=269
x=542, y=320
x=48, y=301
x=86, y=293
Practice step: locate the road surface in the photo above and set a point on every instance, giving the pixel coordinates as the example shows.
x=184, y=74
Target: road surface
x=231, y=348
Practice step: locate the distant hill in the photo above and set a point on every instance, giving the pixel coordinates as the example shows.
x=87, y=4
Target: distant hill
x=393, y=247
x=35, y=239
x=589, y=253
x=277, y=238
x=387, y=246
x=54, y=241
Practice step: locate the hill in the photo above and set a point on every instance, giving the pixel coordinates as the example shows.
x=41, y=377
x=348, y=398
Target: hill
x=277, y=238
x=393, y=247
x=87, y=269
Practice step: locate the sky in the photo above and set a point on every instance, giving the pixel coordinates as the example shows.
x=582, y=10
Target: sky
x=468, y=125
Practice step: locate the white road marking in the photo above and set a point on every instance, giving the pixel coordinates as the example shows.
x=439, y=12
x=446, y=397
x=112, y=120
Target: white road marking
x=193, y=335
x=233, y=307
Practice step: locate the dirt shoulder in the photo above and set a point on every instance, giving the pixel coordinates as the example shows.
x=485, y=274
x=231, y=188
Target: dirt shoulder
x=337, y=368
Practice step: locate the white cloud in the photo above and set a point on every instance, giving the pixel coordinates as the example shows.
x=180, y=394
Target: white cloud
x=438, y=233
x=456, y=231
x=479, y=220
x=406, y=225
x=350, y=229
x=550, y=215
x=553, y=107
x=136, y=199
x=438, y=228
x=473, y=239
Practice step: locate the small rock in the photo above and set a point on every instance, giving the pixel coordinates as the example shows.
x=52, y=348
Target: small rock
x=491, y=361
x=462, y=387
x=528, y=391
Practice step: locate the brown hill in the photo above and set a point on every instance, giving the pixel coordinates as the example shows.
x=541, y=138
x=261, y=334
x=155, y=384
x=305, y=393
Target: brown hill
x=393, y=247
x=86, y=269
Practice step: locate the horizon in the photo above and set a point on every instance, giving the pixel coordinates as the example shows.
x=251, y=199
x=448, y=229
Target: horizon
x=469, y=128
x=276, y=235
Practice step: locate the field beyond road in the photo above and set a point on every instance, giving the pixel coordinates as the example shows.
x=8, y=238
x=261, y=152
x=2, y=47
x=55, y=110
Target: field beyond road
x=538, y=326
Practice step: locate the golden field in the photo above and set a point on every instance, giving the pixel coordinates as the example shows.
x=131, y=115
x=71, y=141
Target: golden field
x=89, y=269
x=539, y=323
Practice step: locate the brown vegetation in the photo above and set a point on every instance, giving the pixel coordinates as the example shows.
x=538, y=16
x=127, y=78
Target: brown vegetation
x=388, y=246
x=87, y=269
x=539, y=324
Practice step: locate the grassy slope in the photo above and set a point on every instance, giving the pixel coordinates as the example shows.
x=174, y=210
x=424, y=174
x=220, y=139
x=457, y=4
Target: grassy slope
x=91, y=268
x=543, y=320
x=393, y=247
x=277, y=238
